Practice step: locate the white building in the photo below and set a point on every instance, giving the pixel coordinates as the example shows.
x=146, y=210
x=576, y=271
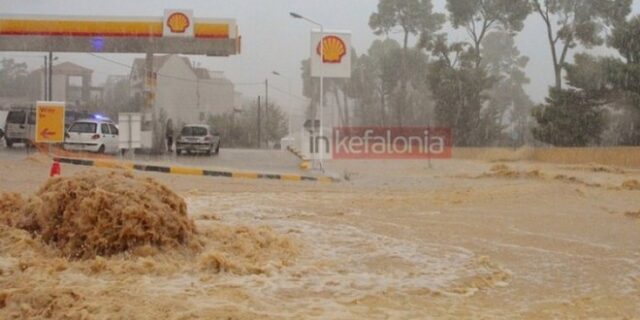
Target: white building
x=69, y=82
x=183, y=93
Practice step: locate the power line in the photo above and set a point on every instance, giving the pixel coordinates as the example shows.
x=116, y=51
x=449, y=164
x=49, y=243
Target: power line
x=302, y=99
x=110, y=60
x=175, y=77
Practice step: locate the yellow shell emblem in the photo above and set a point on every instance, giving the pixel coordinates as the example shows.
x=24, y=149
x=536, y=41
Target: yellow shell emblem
x=178, y=22
x=334, y=49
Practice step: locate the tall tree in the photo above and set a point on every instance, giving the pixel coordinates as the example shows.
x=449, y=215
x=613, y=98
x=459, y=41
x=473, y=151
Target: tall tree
x=411, y=17
x=507, y=98
x=13, y=78
x=239, y=129
x=474, y=121
x=479, y=17
x=569, y=118
x=577, y=22
x=458, y=88
x=614, y=81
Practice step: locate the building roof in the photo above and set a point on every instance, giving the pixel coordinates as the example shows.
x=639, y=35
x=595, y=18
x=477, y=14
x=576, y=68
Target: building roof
x=215, y=77
x=202, y=73
x=68, y=68
x=158, y=62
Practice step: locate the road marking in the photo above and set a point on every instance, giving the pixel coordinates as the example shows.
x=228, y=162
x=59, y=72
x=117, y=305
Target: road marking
x=187, y=171
x=245, y=175
x=191, y=171
x=289, y=177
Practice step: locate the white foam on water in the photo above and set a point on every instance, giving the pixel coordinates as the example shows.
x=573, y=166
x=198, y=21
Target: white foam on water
x=339, y=263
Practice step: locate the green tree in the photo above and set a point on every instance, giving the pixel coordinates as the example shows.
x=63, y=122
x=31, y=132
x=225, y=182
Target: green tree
x=458, y=89
x=13, y=78
x=614, y=81
x=458, y=78
x=381, y=66
x=240, y=129
x=570, y=23
x=411, y=17
x=479, y=17
x=507, y=98
x=569, y=118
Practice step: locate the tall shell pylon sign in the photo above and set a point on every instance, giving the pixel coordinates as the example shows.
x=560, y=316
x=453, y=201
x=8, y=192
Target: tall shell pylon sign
x=335, y=61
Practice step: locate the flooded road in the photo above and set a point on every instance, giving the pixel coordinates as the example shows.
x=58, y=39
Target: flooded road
x=399, y=240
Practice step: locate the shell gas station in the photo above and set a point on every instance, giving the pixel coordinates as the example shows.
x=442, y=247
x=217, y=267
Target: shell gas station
x=176, y=32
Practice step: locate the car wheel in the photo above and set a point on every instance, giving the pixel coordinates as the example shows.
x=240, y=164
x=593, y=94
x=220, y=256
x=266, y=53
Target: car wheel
x=9, y=143
x=218, y=148
x=101, y=149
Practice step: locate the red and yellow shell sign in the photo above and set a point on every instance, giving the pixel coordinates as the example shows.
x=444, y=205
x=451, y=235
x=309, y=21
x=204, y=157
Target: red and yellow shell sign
x=334, y=49
x=331, y=54
x=178, y=22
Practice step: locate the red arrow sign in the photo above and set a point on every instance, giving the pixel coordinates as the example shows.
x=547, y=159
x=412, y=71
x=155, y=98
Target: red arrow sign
x=46, y=133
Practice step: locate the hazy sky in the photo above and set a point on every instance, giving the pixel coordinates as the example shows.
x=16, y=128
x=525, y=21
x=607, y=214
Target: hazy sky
x=271, y=39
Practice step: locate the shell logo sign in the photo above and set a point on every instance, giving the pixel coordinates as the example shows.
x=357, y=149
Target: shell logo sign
x=178, y=23
x=335, y=61
x=334, y=49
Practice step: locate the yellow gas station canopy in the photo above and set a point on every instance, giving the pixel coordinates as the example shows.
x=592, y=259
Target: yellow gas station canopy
x=177, y=32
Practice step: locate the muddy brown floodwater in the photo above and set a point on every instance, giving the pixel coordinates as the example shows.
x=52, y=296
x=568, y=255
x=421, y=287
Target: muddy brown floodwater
x=399, y=240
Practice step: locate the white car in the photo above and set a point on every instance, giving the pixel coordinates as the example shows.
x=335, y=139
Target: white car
x=197, y=138
x=92, y=135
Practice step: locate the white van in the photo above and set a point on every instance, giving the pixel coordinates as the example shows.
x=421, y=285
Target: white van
x=3, y=122
x=20, y=126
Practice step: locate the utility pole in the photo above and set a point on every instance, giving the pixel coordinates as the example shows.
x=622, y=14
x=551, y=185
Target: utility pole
x=266, y=110
x=290, y=101
x=45, y=86
x=50, y=77
x=259, y=125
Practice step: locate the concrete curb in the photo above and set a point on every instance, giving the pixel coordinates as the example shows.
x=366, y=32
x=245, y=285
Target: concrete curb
x=190, y=170
x=306, y=163
x=297, y=153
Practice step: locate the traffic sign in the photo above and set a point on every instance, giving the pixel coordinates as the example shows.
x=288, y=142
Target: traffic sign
x=49, y=122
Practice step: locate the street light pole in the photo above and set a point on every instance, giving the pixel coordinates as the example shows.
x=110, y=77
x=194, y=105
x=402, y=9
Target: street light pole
x=50, y=97
x=320, y=140
x=45, y=85
x=290, y=97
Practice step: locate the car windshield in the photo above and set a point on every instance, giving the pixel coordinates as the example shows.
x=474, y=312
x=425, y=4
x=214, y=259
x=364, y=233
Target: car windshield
x=194, y=131
x=83, y=127
x=16, y=117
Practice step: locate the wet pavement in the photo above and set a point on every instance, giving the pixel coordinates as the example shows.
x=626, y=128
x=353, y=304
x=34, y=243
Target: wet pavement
x=268, y=161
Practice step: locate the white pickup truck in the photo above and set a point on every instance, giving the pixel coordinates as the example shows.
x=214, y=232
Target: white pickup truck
x=3, y=122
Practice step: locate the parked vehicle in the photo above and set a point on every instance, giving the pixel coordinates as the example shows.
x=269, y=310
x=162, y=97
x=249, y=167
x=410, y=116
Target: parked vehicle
x=92, y=135
x=20, y=126
x=3, y=122
x=71, y=116
x=196, y=138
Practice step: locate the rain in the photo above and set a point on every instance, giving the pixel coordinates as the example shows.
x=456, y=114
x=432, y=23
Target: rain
x=392, y=159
